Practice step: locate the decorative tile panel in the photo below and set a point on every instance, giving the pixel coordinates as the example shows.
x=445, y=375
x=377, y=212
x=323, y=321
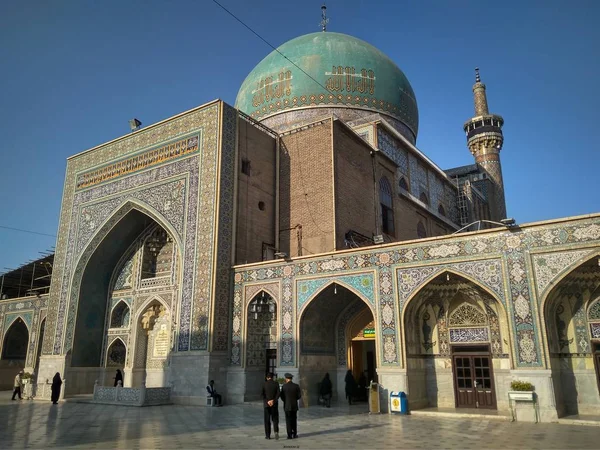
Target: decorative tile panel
x=361, y=283
x=143, y=160
x=146, y=138
x=548, y=266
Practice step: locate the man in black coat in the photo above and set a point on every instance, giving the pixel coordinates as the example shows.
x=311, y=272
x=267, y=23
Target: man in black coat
x=290, y=394
x=270, y=395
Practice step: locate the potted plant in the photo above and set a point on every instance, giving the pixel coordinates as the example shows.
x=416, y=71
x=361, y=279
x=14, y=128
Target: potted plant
x=521, y=391
x=26, y=377
x=281, y=381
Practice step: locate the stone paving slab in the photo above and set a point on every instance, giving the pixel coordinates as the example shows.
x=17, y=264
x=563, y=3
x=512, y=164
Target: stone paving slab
x=31, y=424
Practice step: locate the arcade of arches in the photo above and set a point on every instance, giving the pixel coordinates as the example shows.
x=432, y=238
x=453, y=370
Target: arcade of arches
x=465, y=328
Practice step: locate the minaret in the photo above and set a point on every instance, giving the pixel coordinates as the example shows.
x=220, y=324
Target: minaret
x=484, y=138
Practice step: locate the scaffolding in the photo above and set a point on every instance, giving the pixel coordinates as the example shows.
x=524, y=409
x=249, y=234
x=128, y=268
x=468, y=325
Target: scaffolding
x=30, y=279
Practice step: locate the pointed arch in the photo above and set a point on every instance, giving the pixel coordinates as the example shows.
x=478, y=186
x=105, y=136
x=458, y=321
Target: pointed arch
x=450, y=271
x=116, y=353
x=142, y=308
x=263, y=290
x=124, y=225
x=341, y=283
x=15, y=342
x=505, y=324
x=120, y=315
x=546, y=294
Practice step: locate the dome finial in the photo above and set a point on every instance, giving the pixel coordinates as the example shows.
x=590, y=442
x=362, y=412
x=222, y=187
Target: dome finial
x=324, y=19
x=477, y=77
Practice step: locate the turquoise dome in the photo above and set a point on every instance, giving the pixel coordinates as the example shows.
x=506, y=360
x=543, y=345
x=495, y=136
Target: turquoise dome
x=350, y=73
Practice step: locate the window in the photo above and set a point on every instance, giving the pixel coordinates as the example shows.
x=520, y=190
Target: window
x=246, y=166
x=387, y=211
x=423, y=198
x=403, y=184
x=441, y=210
x=421, y=231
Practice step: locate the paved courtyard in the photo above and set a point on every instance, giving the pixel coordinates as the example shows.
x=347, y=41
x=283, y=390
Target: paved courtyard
x=28, y=424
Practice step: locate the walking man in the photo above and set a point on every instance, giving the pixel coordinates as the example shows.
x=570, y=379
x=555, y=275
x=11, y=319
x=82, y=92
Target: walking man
x=18, y=385
x=290, y=394
x=270, y=395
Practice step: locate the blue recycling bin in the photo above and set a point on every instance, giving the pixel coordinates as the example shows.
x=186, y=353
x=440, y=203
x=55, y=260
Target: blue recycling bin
x=398, y=403
x=403, y=403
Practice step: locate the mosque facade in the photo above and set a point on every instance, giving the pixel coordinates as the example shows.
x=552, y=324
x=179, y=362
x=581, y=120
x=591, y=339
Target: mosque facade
x=303, y=231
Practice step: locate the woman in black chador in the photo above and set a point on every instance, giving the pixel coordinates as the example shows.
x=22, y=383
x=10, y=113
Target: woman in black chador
x=55, y=388
x=118, y=377
x=350, y=386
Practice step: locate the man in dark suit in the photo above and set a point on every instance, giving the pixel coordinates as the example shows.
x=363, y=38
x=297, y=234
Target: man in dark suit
x=212, y=392
x=290, y=394
x=270, y=395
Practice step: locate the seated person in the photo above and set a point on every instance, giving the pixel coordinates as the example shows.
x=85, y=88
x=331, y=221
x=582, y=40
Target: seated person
x=212, y=392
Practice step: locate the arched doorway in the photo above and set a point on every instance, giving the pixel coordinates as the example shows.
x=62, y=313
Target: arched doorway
x=135, y=259
x=457, y=344
x=336, y=333
x=361, y=351
x=261, y=342
x=572, y=319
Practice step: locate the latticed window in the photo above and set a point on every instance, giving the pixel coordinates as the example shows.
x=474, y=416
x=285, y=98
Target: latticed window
x=467, y=315
x=387, y=210
x=423, y=197
x=441, y=210
x=594, y=312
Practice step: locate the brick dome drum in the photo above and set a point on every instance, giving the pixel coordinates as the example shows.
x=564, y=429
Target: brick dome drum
x=346, y=72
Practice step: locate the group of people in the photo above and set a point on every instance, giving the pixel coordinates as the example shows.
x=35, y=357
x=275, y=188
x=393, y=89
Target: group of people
x=289, y=393
x=54, y=388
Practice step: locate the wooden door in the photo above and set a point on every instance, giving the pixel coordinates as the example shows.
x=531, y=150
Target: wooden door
x=483, y=382
x=463, y=382
x=474, y=381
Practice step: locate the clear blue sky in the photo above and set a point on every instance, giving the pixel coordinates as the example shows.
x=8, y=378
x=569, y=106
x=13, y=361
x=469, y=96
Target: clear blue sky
x=72, y=73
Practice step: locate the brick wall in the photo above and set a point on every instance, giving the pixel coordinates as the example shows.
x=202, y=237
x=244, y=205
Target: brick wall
x=306, y=189
x=255, y=226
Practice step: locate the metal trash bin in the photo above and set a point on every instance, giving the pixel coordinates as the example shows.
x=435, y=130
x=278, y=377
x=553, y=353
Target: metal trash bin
x=374, y=406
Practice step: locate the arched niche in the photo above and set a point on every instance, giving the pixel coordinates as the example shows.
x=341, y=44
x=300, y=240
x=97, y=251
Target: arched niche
x=116, y=354
x=153, y=339
x=94, y=288
x=16, y=341
x=572, y=321
x=119, y=317
x=448, y=315
x=262, y=335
